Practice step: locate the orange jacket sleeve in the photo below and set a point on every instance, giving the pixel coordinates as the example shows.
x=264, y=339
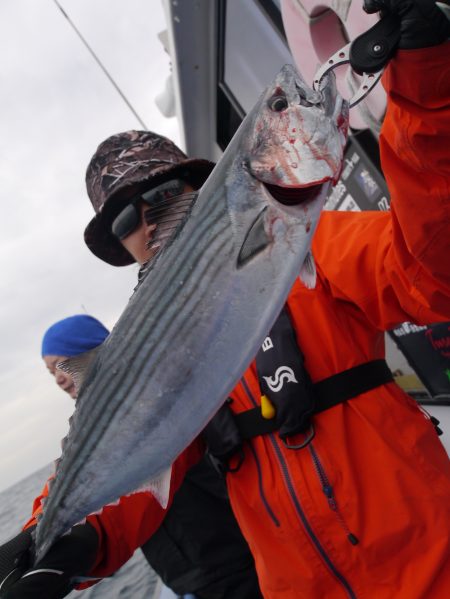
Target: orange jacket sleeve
x=124, y=527
x=395, y=266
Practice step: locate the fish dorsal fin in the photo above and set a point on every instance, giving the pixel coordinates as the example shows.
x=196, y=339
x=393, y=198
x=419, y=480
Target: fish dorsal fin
x=77, y=366
x=308, y=273
x=159, y=487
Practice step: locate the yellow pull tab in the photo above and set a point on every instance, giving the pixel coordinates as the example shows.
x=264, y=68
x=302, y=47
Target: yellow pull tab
x=267, y=408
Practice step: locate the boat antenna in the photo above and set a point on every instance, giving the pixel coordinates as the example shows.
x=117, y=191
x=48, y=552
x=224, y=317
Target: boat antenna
x=103, y=68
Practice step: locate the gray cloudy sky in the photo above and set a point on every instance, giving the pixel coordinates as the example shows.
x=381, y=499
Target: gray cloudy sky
x=56, y=106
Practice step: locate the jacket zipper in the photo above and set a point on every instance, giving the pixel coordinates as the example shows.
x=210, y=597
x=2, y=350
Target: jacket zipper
x=264, y=500
x=287, y=478
x=329, y=494
x=261, y=488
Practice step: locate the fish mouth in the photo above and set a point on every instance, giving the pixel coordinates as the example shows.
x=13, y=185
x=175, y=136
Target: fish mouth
x=294, y=196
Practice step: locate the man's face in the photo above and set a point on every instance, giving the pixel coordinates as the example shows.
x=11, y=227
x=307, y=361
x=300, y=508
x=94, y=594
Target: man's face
x=63, y=379
x=137, y=242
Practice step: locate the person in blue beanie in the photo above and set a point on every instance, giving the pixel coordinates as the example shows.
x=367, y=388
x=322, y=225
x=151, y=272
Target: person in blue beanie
x=73, y=336
x=70, y=337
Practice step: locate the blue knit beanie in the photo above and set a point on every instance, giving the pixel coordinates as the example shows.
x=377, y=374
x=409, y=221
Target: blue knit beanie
x=72, y=336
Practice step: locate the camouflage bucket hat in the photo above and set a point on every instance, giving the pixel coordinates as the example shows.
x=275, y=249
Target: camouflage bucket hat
x=134, y=160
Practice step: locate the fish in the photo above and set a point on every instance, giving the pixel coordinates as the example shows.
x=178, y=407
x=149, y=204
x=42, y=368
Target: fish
x=207, y=300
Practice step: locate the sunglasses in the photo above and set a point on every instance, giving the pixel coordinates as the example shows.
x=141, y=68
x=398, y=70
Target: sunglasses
x=129, y=218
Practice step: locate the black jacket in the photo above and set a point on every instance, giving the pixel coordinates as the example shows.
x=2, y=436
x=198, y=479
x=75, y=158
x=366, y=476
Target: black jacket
x=199, y=547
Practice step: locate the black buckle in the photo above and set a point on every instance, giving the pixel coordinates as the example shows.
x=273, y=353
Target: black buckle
x=222, y=464
x=311, y=433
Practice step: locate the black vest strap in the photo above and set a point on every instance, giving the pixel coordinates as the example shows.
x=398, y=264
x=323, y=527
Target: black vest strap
x=288, y=393
x=328, y=393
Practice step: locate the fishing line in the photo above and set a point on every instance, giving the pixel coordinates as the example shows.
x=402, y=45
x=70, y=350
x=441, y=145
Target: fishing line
x=100, y=64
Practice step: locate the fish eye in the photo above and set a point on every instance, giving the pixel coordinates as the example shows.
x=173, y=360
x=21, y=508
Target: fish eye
x=278, y=103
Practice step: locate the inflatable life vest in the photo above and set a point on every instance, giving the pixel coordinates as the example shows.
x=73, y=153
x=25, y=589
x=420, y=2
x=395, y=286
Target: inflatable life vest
x=287, y=388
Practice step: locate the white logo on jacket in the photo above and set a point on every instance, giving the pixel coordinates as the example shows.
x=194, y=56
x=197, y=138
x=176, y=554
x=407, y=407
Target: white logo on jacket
x=283, y=374
x=267, y=344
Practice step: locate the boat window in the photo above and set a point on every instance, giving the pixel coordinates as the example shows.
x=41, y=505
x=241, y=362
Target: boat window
x=273, y=10
x=252, y=49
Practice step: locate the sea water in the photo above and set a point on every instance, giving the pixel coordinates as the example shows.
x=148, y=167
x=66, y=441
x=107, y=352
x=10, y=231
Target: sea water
x=135, y=580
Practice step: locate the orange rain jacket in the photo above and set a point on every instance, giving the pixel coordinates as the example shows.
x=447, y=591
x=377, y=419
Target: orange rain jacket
x=375, y=468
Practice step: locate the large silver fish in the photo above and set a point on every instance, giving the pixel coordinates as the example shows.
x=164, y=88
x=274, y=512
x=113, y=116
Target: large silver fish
x=205, y=305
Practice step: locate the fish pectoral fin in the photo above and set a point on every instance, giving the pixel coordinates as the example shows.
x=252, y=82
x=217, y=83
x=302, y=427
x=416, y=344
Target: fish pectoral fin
x=159, y=487
x=308, y=273
x=255, y=241
x=77, y=366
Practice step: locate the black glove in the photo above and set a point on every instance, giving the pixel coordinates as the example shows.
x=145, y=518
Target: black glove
x=53, y=576
x=422, y=23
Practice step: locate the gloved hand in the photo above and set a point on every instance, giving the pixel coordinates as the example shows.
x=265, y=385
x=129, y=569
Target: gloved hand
x=422, y=23
x=53, y=576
